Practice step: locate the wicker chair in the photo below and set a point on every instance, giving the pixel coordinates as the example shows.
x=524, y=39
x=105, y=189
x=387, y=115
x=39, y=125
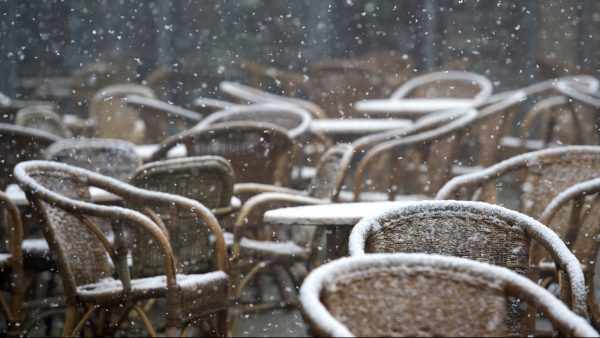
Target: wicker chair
x=206, y=179
x=161, y=119
x=11, y=268
x=578, y=227
x=251, y=255
x=113, y=158
x=114, y=119
x=585, y=104
x=258, y=152
x=246, y=94
x=296, y=120
x=18, y=144
x=42, y=118
x=95, y=76
x=420, y=163
x=448, y=84
x=95, y=271
x=423, y=295
x=474, y=230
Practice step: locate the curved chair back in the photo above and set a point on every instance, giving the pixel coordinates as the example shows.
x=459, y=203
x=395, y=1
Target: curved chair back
x=258, y=152
x=92, y=77
x=110, y=157
x=475, y=230
x=206, y=179
x=423, y=295
x=585, y=104
x=42, y=118
x=296, y=120
x=113, y=117
x=18, y=144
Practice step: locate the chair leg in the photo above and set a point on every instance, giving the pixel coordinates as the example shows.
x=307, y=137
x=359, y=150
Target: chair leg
x=83, y=320
x=71, y=317
x=222, y=324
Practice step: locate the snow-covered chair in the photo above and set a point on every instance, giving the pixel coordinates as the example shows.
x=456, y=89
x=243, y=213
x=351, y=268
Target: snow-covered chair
x=95, y=271
x=113, y=118
x=110, y=157
x=585, y=103
x=42, y=118
x=474, y=230
x=252, y=254
x=421, y=163
x=161, y=119
x=11, y=267
x=411, y=294
x=579, y=228
x=206, y=179
x=259, y=152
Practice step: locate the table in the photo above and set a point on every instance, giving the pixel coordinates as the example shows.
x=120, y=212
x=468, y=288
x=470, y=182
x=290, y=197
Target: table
x=410, y=108
x=337, y=219
x=346, y=130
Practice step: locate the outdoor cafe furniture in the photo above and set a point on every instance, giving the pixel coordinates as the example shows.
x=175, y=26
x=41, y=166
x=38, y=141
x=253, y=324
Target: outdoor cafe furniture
x=95, y=272
x=475, y=230
x=258, y=151
x=110, y=157
x=42, y=118
x=428, y=93
x=415, y=294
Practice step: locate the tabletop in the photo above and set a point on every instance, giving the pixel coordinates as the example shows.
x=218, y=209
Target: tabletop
x=417, y=106
x=357, y=126
x=335, y=214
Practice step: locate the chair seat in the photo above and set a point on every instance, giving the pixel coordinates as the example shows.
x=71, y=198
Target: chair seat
x=200, y=293
x=273, y=251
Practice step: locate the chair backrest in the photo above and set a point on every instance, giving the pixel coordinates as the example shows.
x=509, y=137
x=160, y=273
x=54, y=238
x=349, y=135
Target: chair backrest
x=423, y=295
x=42, y=118
x=331, y=171
x=161, y=119
x=206, y=179
x=446, y=84
x=19, y=144
x=92, y=77
x=293, y=118
x=110, y=157
x=416, y=164
x=585, y=104
x=258, y=152
x=247, y=94
x=113, y=117
x=60, y=194
x=474, y=230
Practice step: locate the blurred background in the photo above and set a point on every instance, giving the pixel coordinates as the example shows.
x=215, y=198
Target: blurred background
x=197, y=44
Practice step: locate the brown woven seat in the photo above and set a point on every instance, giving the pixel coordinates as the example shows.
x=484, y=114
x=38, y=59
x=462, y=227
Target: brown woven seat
x=114, y=119
x=42, y=118
x=473, y=230
x=11, y=267
x=574, y=214
x=206, y=179
x=110, y=157
x=161, y=119
x=391, y=295
x=258, y=152
x=19, y=144
x=86, y=259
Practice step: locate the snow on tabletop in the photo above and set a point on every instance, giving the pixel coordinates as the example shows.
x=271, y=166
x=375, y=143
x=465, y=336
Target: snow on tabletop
x=145, y=151
x=329, y=214
x=545, y=236
x=326, y=276
x=416, y=105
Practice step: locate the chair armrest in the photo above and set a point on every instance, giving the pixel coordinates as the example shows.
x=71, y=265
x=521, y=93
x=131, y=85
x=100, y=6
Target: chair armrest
x=246, y=190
